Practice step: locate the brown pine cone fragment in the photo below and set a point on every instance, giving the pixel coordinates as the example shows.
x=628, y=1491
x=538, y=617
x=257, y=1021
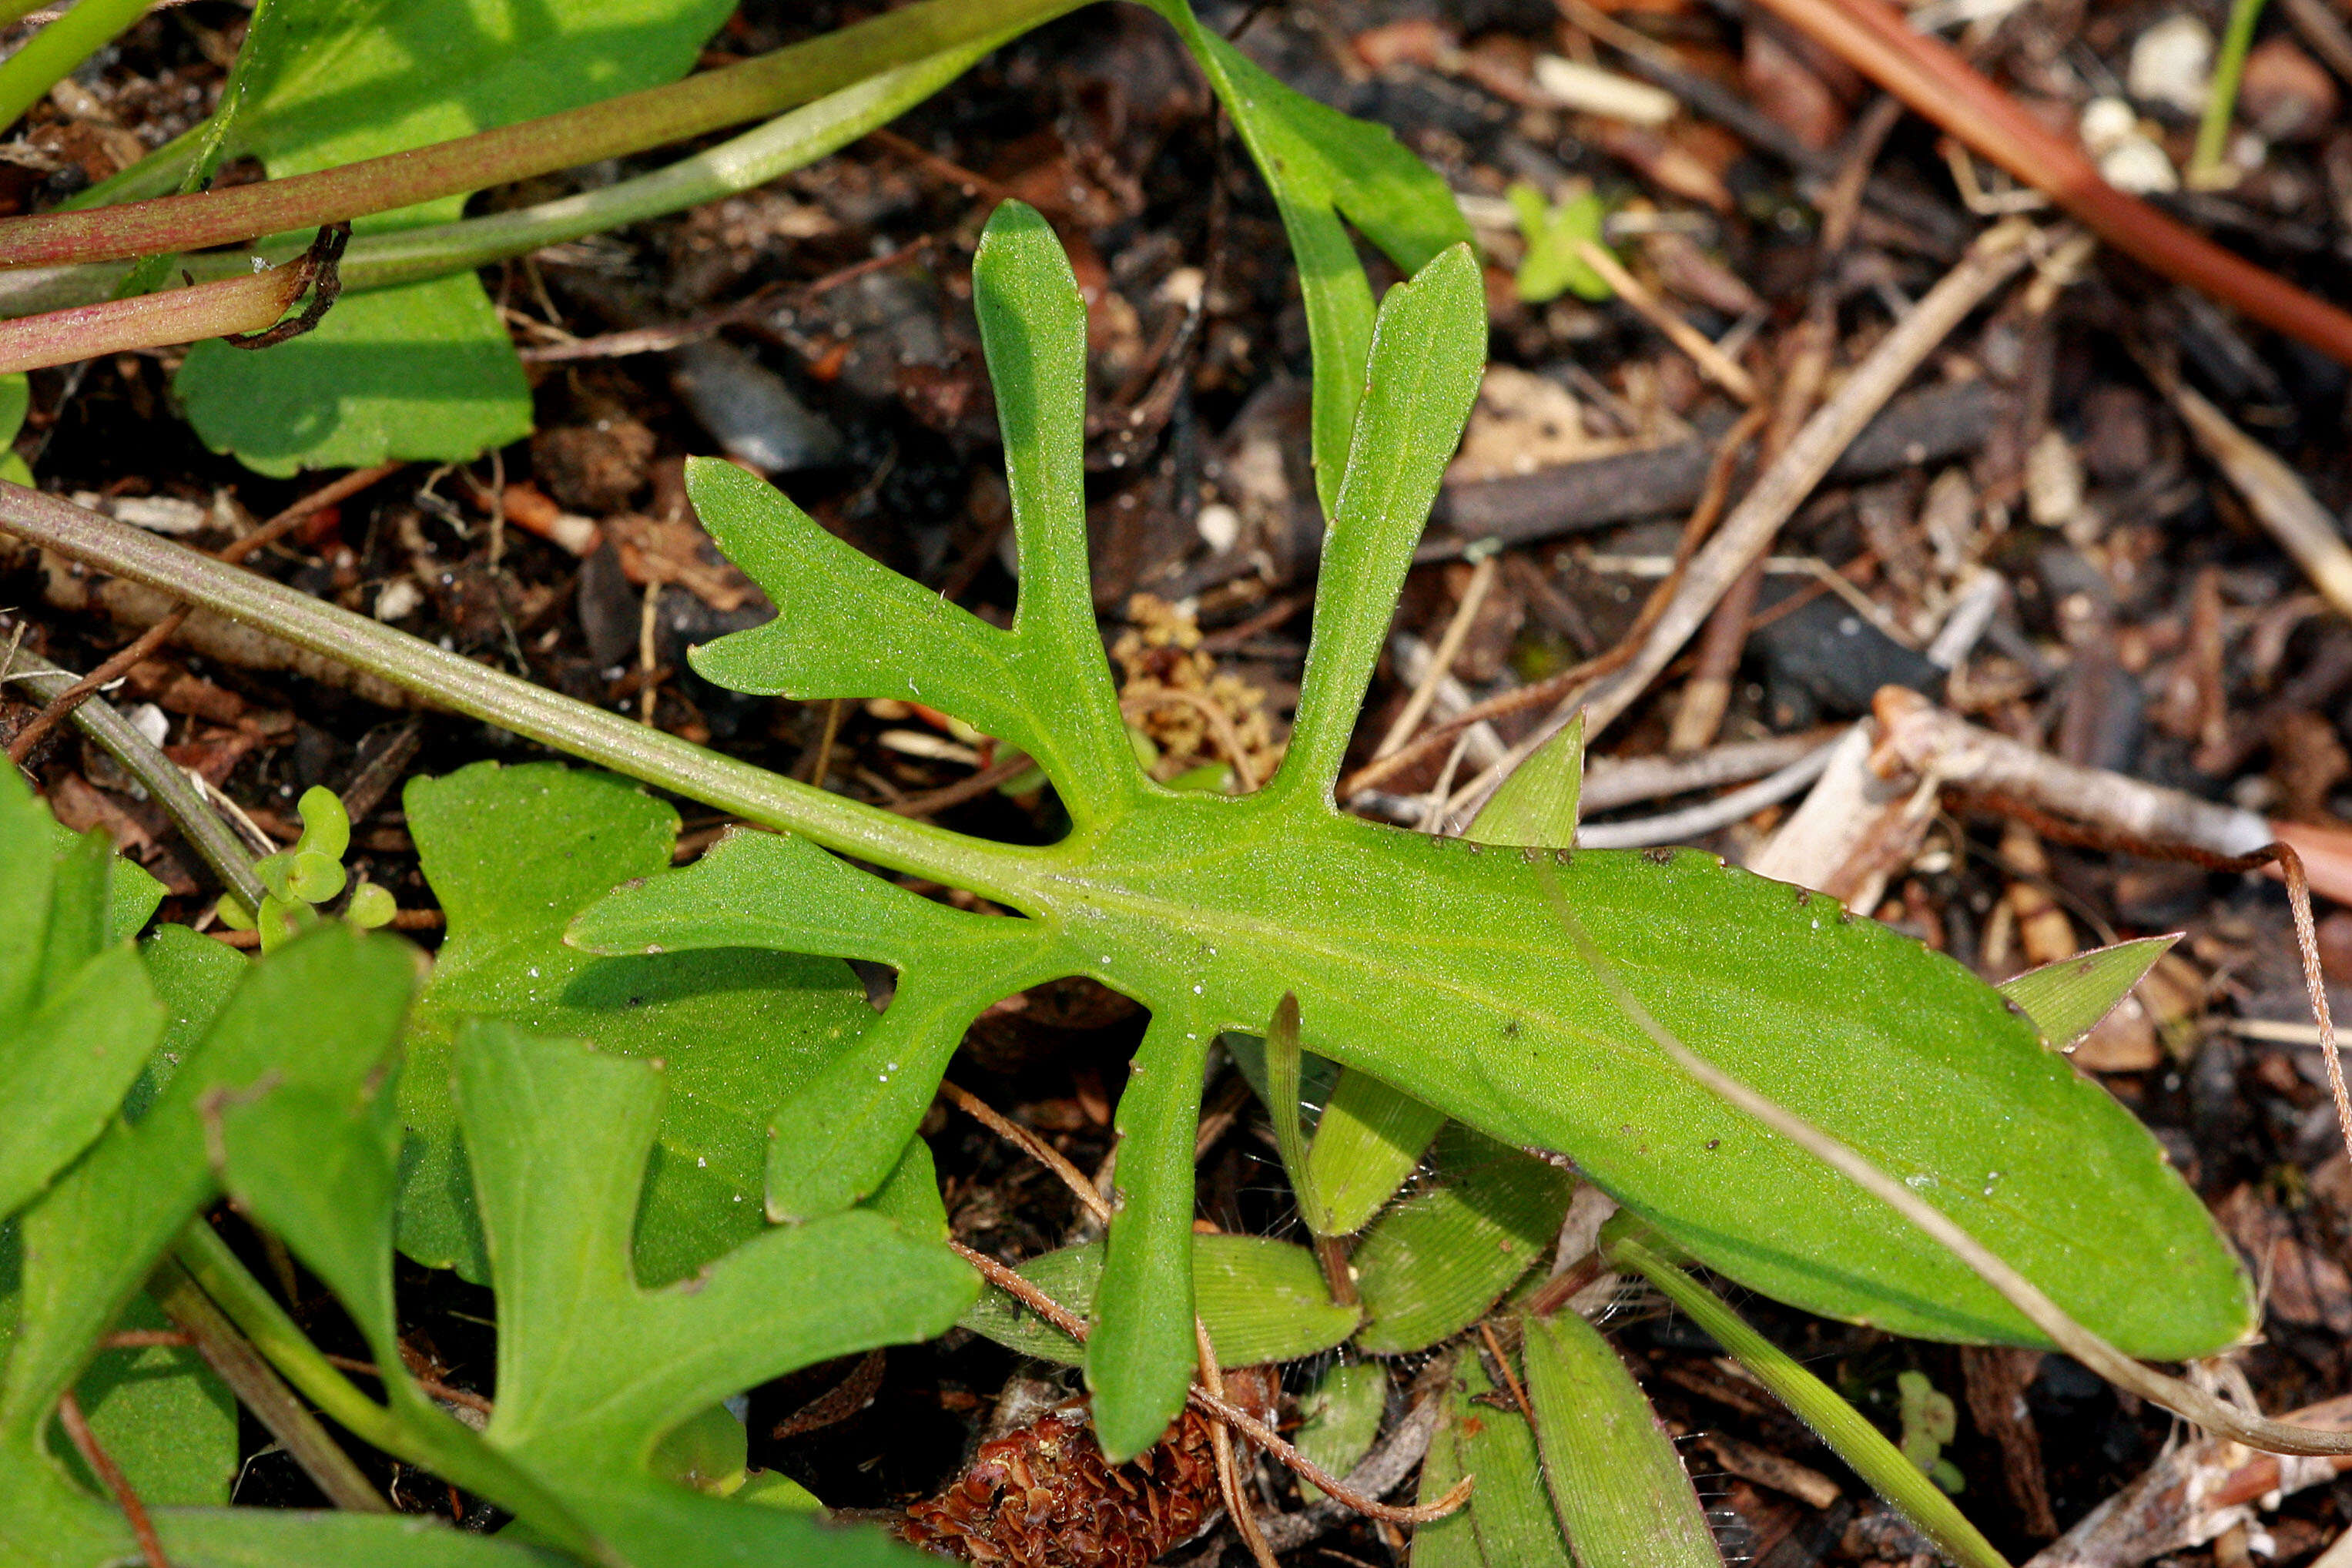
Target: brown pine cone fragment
x=1041, y=1496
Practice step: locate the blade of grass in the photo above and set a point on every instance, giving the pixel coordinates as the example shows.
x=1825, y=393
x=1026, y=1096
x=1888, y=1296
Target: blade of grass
x=29, y=73
x=1616, y=1482
x=1845, y=1429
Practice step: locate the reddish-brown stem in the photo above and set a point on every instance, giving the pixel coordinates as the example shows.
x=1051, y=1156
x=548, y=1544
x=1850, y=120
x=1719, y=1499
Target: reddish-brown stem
x=1931, y=77
x=174, y=316
x=109, y=1474
x=750, y=89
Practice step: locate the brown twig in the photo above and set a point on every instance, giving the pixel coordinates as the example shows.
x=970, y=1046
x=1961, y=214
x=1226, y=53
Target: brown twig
x=433, y=1386
x=1307, y=1469
x=1712, y=362
x=147, y=1339
x=102, y=1464
x=1221, y=1444
x=1552, y=688
x=55, y=712
x=971, y=788
x=1932, y=78
x=1036, y=1148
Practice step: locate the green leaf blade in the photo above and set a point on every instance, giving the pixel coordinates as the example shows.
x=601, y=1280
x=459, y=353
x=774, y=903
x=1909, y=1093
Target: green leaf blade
x=1614, y=1477
x=2066, y=1000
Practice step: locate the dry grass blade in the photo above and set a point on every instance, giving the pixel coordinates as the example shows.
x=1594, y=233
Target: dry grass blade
x=2276, y=496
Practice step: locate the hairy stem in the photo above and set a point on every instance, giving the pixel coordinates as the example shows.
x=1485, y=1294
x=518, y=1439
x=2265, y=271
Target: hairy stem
x=639, y=751
x=629, y=123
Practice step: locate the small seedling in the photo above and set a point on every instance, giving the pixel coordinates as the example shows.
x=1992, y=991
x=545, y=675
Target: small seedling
x=311, y=874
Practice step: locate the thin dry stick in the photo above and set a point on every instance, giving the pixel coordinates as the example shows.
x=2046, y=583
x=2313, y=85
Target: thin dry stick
x=63, y=704
x=1712, y=362
x=1449, y=648
x=102, y=1466
x=147, y=1339
x=434, y=1386
x=1135, y=704
x=821, y=763
x=1010, y=766
x=1503, y=1365
x=1537, y=694
x=2298, y=903
x=1266, y=1438
x=2278, y=499
x=1036, y=1148
x=1221, y=1444
x=1933, y=78
x=1706, y=695
x=2181, y=1398
x=1747, y=533
x=1004, y=1279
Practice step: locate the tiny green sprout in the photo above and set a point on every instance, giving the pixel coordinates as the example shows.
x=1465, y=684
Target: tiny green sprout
x=1929, y=1421
x=1552, y=230
x=370, y=906
x=312, y=873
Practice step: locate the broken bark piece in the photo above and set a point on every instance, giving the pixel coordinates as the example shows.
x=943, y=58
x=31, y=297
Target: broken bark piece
x=1924, y=427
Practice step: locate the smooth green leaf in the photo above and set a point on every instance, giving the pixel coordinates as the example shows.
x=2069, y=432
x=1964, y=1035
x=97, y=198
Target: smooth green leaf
x=845, y=1122
x=1615, y=1480
x=1537, y=804
x=1141, y=1347
x=1340, y=1418
x=423, y=371
x=91, y=1239
x=78, y=1017
x=1433, y=1265
x=847, y=625
x=595, y=1369
x=1261, y=1300
x=193, y=977
x=1441, y=967
x=2066, y=1000
x=513, y=854
x=1319, y=164
x=162, y=1414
